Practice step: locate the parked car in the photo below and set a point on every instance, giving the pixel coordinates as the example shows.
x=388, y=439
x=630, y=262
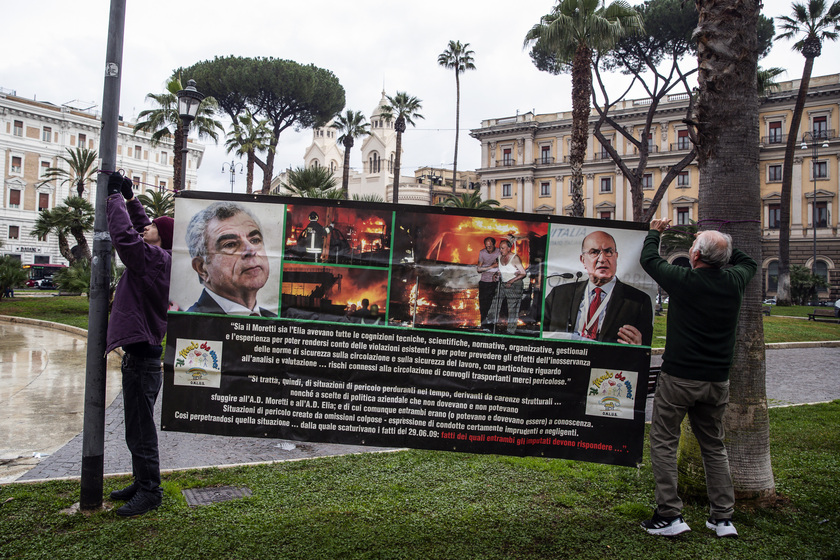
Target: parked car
x=31, y=283
x=47, y=284
x=771, y=301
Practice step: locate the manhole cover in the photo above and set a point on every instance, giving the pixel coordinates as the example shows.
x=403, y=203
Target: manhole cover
x=207, y=496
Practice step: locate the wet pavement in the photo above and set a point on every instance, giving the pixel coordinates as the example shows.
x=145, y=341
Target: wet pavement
x=42, y=393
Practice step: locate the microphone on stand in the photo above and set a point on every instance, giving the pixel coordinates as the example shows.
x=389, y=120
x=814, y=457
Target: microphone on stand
x=571, y=322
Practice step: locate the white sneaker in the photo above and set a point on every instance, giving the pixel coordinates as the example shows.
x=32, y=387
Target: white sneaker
x=666, y=526
x=722, y=527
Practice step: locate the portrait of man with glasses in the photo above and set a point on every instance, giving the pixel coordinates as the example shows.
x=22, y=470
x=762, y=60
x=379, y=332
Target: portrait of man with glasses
x=599, y=306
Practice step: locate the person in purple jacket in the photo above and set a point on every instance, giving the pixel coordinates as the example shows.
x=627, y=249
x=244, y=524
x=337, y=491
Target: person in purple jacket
x=138, y=324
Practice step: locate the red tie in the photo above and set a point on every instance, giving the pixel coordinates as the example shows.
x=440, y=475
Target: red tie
x=593, y=309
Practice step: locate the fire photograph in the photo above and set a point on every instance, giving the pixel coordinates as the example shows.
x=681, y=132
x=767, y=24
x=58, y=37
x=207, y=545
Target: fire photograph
x=329, y=234
x=334, y=293
x=479, y=274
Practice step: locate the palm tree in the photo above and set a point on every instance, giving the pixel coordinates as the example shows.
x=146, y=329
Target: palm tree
x=470, y=200
x=574, y=30
x=164, y=122
x=49, y=223
x=311, y=182
x=767, y=79
x=157, y=203
x=815, y=24
x=74, y=217
x=459, y=58
x=82, y=168
x=350, y=125
x=729, y=192
x=247, y=137
x=401, y=109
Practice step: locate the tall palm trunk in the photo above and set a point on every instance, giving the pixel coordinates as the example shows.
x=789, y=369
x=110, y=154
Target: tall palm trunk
x=399, y=126
x=457, y=127
x=249, y=173
x=581, y=88
x=783, y=290
x=728, y=159
x=345, y=176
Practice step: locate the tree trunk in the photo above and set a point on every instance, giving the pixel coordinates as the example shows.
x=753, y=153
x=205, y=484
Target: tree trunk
x=581, y=88
x=345, y=177
x=728, y=159
x=457, y=126
x=399, y=126
x=783, y=290
x=249, y=174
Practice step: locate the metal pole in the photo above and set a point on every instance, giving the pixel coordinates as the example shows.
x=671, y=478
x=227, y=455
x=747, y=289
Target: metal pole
x=184, y=152
x=814, y=206
x=93, y=439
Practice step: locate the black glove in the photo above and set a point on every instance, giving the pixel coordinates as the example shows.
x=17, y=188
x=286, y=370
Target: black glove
x=114, y=183
x=127, y=188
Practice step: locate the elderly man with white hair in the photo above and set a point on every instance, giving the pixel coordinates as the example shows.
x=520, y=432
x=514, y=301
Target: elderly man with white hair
x=705, y=302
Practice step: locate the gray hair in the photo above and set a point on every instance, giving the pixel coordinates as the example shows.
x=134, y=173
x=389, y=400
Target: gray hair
x=714, y=247
x=197, y=229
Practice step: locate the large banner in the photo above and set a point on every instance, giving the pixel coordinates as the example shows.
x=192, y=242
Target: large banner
x=407, y=326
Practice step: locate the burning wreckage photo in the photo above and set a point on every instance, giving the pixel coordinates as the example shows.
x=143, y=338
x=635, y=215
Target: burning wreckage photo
x=435, y=277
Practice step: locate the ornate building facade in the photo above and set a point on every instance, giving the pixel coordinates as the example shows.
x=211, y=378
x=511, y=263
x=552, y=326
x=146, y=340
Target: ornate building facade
x=33, y=134
x=524, y=165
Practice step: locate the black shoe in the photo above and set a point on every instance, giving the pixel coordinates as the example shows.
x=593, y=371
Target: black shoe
x=126, y=493
x=665, y=526
x=141, y=503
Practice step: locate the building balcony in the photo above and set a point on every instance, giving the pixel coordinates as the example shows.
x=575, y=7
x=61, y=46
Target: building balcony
x=682, y=146
x=774, y=139
x=544, y=160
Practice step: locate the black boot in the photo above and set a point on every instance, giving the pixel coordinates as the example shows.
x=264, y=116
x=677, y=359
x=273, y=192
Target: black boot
x=142, y=502
x=126, y=493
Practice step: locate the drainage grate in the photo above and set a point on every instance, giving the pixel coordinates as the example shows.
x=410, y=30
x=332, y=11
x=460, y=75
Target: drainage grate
x=207, y=496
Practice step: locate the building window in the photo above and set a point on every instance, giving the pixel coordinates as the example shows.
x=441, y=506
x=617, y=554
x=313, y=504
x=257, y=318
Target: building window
x=164, y=158
x=18, y=130
x=42, y=259
x=605, y=215
x=773, y=276
x=820, y=170
x=162, y=186
x=136, y=181
x=682, y=180
x=647, y=181
x=604, y=154
x=819, y=127
x=545, y=189
x=606, y=184
x=44, y=239
x=821, y=270
x=46, y=134
x=774, y=218
x=82, y=140
x=44, y=166
x=138, y=152
x=14, y=198
x=774, y=173
x=14, y=232
x=507, y=156
x=545, y=154
x=374, y=163
x=17, y=164
x=507, y=191
x=43, y=201
x=822, y=214
x=683, y=143
x=775, y=129
x=682, y=216
x=651, y=146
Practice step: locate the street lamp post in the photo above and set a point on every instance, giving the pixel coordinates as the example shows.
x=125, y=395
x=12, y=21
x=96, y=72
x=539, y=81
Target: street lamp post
x=817, y=139
x=188, y=101
x=232, y=165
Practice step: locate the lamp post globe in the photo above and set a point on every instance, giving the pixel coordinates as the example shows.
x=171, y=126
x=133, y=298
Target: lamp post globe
x=188, y=101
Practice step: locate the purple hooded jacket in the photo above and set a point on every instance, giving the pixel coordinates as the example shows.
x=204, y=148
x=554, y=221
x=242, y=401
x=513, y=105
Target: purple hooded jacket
x=142, y=297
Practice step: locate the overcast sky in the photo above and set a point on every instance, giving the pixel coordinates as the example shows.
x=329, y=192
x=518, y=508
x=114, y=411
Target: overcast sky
x=54, y=50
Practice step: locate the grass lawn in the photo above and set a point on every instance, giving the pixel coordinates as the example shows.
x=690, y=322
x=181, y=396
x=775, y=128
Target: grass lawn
x=439, y=505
